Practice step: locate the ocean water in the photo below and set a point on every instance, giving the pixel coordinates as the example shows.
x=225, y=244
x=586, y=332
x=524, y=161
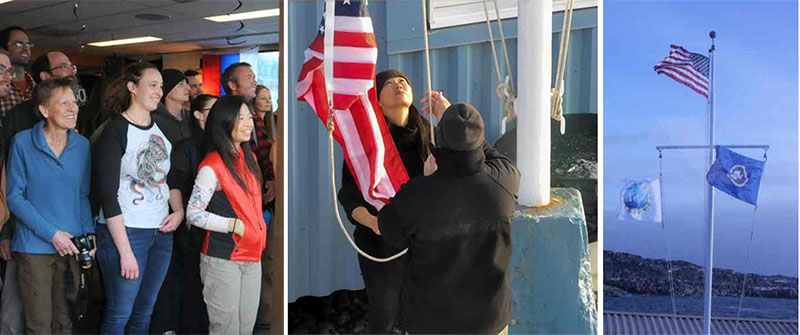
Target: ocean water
x=752, y=308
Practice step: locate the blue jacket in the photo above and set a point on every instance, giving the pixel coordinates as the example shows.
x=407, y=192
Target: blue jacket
x=48, y=193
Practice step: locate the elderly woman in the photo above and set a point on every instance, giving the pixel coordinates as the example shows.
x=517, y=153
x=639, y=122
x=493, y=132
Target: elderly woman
x=48, y=192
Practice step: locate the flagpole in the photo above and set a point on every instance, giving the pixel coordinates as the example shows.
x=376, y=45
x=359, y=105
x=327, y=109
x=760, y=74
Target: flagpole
x=708, y=288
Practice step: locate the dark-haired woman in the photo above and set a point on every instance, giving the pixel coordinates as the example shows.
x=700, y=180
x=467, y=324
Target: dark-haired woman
x=411, y=135
x=265, y=137
x=130, y=166
x=186, y=156
x=226, y=202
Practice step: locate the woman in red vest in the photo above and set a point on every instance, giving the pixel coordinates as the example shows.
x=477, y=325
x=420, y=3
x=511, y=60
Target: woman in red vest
x=226, y=202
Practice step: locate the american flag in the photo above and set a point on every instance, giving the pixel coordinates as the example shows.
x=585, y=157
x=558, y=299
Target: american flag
x=360, y=127
x=688, y=68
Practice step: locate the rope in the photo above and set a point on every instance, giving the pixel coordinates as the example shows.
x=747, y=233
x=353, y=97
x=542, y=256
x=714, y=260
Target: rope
x=747, y=259
x=557, y=109
x=336, y=201
x=505, y=89
x=665, y=231
x=428, y=68
x=328, y=69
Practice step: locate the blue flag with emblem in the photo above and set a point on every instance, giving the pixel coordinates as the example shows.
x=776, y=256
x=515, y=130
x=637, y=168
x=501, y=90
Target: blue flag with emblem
x=736, y=175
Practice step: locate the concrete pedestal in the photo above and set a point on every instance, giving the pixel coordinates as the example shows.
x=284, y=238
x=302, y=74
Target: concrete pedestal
x=551, y=275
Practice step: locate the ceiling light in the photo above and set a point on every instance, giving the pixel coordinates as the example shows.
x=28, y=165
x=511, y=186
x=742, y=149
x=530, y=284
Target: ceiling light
x=245, y=15
x=4, y=1
x=125, y=41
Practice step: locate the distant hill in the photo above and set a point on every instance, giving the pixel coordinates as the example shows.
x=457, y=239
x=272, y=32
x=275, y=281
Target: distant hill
x=627, y=274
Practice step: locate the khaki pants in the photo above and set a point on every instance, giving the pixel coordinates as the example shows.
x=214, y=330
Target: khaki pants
x=231, y=291
x=43, y=289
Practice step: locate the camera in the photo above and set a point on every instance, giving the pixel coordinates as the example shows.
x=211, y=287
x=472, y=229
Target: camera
x=85, y=244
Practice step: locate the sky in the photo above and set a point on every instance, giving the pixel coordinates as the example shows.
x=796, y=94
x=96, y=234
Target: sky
x=756, y=90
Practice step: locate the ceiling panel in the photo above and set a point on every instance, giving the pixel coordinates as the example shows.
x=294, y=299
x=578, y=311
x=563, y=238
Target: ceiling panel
x=21, y=6
x=53, y=26
x=63, y=12
x=203, y=8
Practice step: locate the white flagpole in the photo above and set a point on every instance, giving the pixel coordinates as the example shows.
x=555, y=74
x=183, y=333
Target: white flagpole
x=330, y=11
x=708, y=288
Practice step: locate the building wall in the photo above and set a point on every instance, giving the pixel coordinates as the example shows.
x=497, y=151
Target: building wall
x=320, y=259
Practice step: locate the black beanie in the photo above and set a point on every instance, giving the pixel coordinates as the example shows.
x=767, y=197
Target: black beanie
x=461, y=128
x=171, y=78
x=384, y=76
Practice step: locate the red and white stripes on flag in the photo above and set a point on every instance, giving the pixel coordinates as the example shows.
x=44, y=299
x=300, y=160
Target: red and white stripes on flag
x=360, y=127
x=688, y=68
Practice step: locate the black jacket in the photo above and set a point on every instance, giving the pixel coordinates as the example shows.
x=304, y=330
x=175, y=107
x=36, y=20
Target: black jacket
x=182, y=172
x=21, y=117
x=457, y=226
x=175, y=130
x=407, y=141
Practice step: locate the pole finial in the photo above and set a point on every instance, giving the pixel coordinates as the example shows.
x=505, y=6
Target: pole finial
x=712, y=34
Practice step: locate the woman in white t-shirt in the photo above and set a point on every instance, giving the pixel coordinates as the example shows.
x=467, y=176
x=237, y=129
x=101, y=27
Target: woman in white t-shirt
x=131, y=160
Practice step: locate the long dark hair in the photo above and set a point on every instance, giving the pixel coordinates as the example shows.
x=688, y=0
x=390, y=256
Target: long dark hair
x=415, y=119
x=268, y=118
x=117, y=98
x=217, y=136
x=198, y=104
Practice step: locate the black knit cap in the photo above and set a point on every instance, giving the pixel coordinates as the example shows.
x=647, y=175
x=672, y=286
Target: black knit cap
x=172, y=78
x=384, y=76
x=461, y=128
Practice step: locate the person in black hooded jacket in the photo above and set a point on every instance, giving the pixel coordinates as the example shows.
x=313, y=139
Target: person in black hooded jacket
x=411, y=136
x=456, y=223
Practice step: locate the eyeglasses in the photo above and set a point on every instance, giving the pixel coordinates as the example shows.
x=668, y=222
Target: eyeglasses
x=4, y=70
x=66, y=67
x=22, y=44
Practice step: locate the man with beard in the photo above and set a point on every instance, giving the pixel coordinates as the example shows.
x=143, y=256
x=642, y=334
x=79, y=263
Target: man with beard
x=195, y=86
x=15, y=40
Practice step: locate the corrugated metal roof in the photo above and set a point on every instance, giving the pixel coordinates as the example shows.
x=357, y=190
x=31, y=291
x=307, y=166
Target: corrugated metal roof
x=619, y=323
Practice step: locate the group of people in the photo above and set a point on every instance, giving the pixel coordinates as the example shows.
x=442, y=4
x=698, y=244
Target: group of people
x=454, y=216
x=171, y=193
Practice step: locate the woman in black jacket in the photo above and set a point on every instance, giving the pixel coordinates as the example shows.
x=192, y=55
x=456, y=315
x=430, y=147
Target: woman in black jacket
x=411, y=135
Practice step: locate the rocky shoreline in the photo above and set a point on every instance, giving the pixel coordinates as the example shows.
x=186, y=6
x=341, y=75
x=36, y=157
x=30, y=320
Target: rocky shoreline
x=627, y=274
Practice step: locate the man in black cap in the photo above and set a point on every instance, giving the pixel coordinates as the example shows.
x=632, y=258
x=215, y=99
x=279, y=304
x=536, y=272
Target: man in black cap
x=170, y=115
x=456, y=223
x=176, y=123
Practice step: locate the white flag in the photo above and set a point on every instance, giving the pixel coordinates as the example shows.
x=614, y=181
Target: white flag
x=641, y=200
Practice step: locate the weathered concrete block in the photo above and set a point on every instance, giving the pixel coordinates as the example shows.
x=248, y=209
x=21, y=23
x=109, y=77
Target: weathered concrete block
x=551, y=276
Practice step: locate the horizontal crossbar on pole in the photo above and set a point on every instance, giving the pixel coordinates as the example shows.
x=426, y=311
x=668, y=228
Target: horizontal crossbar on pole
x=737, y=146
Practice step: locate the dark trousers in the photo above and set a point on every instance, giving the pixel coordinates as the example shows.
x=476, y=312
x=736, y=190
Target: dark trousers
x=180, y=306
x=383, y=282
x=167, y=306
x=194, y=315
